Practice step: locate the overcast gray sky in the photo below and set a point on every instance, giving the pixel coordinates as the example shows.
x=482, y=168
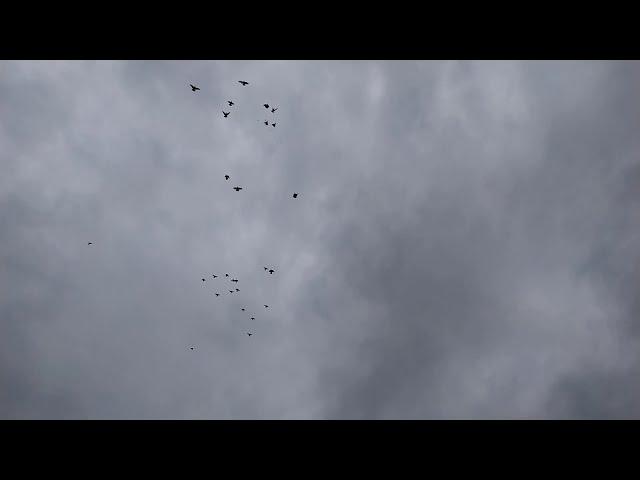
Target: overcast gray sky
x=465, y=243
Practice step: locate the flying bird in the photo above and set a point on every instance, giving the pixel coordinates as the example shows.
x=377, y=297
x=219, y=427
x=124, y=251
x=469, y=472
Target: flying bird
x=230, y=103
x=273, y=110
x=226, y=274
x=215, y=276
x=237, y=289
x=226, y=114
x=266, y=306
x=90, y=243
x=244, y=84
x=226, y=177
x=191, y=348
x=203, y=279
x=273, y=125
x=242, y=309
x=271, y=271
x=266, y=123
x=295, y=195
x=249, y=333
x=217, y=294
x=230, y=291
x=193, y=88
x=252, y=318
x=266, y=105
x=265, y=268
x=237, y=189
x=234, y=280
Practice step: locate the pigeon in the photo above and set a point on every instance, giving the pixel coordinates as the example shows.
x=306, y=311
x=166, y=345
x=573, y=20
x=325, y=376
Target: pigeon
x=237, y=189
x=266, y=306
x=252, y=318
x=244, y=84
x=230, y=103
x=226, y=114
x=203, y=279
x=242, y=309
x=230, y=291
x=265, y=268
x=271, y=271
x=234, y=280
x=237, y=289
x=273, y=110
x=90, y=243
x=266, y=105
x=273, y=125
x=249, y=333
x=266, y=123
x=217, y=294
x=193, y=88
x=226, y=274
x=295, y=195
x=215, y=276
x=226, y=177
x=191, y=348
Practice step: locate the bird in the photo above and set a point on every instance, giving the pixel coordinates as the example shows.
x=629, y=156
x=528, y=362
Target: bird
x=249, y=333
x=230, y=103
x=226, y=114
x=242, y=309
x=226, y=274
x=203, y=279
x=266, y=123
x=295, y=195
x=252, y=318
x=217, y=294
x=273, y=125
x=244, y=84
x=266, y=105
x=271, y=271
x=191, y=348
x=215, y=276
x=234, y=280
x=226, y=177
x=265, y=268
x=90, y=243
x=230, y=291
x=273, y=110
x=237, y=289
x=193, y=88
x=237, y=189
x=266, y=306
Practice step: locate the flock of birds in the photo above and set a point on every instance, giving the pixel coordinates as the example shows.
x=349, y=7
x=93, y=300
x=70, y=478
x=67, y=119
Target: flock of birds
x=269, y=270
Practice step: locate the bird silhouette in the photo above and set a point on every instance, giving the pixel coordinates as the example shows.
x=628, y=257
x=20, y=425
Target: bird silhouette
x=273, y=110
x=237, y=189
x=271, y=271
x=90, y=243
x=266, y=105
x=217, y=294
x=193, y=88
x=215, y=276
x=265, y=268
x=249, y=333
x=226, y=274
x=266, y=123
x=234, y=280
x=242, y=309
x=273, y=125
x=244, y=84
x=266, y=306
x=252, y=318
x=226, y=114
x=203, y=279
x=191, y=348
x=237, y=289
x=230, y=291
x=226, y=177
x=230, y=103
x=295, y=195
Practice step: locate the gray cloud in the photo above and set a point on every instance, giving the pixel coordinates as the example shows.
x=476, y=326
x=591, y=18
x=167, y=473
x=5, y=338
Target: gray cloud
x=465, y=243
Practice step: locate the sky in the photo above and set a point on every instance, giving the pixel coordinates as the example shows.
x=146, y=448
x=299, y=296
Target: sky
x=465, y=242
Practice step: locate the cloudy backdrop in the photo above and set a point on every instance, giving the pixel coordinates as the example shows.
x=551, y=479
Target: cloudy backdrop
x=465, y=243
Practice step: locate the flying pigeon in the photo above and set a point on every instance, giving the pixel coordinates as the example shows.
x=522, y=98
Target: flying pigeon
x=249, y=333
x=244, y=84
x=230, y=103
x=193, y=88
x=234, y=280
x=226, y=114
x=266, y=105
x=226, y=274
x=226, y=177
x=237, y=189
x=273, y=125
x=90, y=243
x=271, y=271
x=230, y=291
x=252, y=318
x=203, y=279
x=273, y=110
x=266, y=123
x=265, y=268
x=191, y=348
x=266, y=306
x=242, y=309
x=237, y=289
x=295, y=195
x=217, y=294
x=215, y=276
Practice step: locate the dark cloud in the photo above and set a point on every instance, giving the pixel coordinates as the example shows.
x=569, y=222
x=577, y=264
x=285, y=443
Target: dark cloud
x=464, y=244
